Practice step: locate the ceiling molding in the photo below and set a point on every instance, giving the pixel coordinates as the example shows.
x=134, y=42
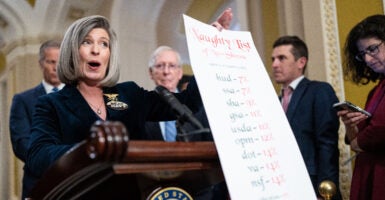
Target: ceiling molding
x=31, y=2
x=3, y=22
x=75, y=13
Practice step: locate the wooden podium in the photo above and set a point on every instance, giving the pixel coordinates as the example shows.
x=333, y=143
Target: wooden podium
x=109, y=166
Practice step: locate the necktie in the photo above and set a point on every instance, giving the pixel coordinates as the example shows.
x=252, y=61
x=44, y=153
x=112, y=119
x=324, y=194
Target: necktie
x=170, y=131
x=286, y=97
x=55, y=89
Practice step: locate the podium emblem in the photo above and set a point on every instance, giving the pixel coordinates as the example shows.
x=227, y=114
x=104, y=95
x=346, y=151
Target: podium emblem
x=170, y=193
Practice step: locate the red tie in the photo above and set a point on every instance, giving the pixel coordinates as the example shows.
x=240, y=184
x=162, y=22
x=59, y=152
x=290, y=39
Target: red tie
x=286, y=97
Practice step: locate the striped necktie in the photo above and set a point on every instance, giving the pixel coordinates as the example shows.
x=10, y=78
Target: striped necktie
x=170, y=131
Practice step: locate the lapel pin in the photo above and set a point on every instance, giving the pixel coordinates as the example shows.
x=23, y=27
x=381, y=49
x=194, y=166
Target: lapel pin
x=113, y=102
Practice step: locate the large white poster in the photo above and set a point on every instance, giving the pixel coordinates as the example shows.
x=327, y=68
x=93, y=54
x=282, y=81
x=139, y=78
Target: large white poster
x=257, y=149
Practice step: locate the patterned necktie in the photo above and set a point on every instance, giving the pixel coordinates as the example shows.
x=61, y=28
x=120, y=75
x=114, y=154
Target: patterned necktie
x=286, y=97
x=170, y=131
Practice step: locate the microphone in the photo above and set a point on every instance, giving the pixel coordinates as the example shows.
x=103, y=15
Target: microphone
x=181, y=110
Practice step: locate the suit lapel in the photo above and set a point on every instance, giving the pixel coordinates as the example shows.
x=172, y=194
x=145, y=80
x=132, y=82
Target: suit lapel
x=76, y=104
x=113, y=113
x=296, y=96
x=153, y=131
x=39, y=90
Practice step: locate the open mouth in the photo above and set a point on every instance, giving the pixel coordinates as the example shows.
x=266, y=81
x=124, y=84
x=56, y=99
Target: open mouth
x=94, y=64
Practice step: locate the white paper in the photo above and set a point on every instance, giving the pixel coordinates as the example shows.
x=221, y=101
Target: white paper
x=256, y=147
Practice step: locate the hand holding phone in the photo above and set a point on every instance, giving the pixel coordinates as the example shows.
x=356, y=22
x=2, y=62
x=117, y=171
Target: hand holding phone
x=346, y=105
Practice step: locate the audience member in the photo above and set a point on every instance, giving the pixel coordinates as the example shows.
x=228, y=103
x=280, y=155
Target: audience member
x=23, y=105
x=165, y=70
x=309, y=110
x=364, y=63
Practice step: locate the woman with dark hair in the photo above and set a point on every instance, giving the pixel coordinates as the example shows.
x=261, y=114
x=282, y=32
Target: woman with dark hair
x=364, y=63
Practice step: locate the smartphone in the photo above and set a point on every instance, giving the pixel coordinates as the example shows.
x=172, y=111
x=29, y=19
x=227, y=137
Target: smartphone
x=346, y=105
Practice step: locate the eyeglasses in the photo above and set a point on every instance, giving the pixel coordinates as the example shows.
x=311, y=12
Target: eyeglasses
x=371, y=50
x=162, y=66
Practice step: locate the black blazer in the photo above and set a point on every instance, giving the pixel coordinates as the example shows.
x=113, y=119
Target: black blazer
x=315, y=125
x=153, y=131
x=64, y=118
x=20, y=121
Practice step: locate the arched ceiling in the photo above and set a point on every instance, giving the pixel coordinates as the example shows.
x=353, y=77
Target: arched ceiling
x=29, y=22
x=50, y=17
x=20, y=19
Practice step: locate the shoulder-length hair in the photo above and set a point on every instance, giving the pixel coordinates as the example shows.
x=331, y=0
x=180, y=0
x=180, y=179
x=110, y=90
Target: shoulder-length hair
x=371, y=27
x=68, y=67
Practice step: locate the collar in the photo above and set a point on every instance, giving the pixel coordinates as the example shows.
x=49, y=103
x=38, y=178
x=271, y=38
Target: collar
x=48, y=87
x=295, y=82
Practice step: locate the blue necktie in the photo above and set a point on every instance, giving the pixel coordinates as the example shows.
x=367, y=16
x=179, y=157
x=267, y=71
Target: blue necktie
x=170, y=131
x=55, y=89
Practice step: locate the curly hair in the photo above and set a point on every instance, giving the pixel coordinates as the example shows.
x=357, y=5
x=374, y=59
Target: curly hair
x=355, y=70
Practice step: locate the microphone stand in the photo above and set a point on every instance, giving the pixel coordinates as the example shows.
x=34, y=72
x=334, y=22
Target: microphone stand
x=187, y=124
x=187, y=129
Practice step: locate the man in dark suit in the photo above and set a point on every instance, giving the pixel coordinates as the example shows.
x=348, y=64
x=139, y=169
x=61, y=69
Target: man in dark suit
x=23, y=104
x=309, y=110
x=165, y=70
